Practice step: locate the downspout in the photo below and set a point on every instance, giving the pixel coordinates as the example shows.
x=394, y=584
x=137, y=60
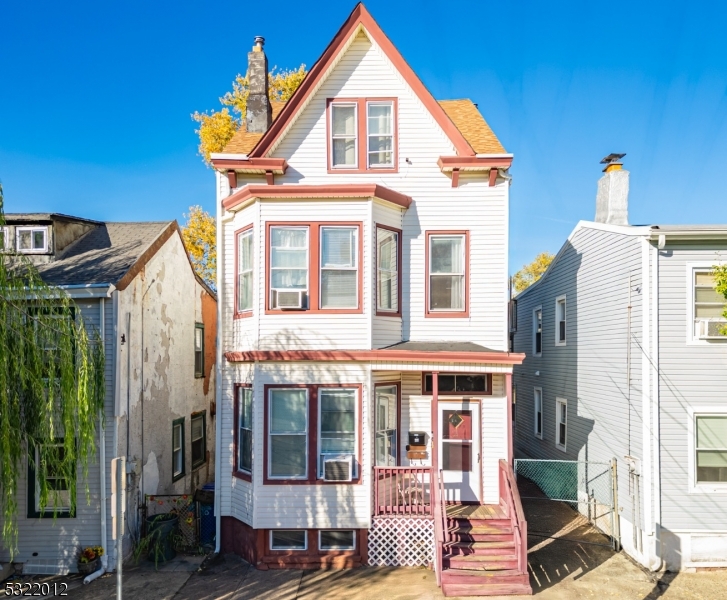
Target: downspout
x=102, y=456
x=219, y=374
x=655, y=418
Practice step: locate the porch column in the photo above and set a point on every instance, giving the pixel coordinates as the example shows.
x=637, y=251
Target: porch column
x=508, y=391
x=435, y=423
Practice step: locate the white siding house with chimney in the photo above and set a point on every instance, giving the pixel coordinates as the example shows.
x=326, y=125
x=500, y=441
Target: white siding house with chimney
x=625, y=360
x=362, y=236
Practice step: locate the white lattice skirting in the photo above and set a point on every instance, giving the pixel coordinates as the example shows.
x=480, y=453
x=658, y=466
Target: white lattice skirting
x=401, y=542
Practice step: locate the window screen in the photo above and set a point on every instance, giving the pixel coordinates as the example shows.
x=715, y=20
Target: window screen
x=380, y=134
x=288, y=436
x=343, y=135
x=339, y=272
x=337, y=425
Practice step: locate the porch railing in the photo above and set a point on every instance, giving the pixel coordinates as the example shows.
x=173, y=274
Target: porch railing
x=403, y=491
x=510, y=497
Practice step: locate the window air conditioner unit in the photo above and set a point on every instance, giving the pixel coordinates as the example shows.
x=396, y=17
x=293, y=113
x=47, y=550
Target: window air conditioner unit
x=289, y=298
x=337, y=467
x=712, y=330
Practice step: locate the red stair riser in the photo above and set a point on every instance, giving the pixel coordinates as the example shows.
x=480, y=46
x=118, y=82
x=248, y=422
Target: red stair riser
x=491, y=578
x=468, y=551
x=463, y=590
x=453, y=563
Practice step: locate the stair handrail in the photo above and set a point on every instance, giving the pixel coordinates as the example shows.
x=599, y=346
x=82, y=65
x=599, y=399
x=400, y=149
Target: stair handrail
x=511, y=496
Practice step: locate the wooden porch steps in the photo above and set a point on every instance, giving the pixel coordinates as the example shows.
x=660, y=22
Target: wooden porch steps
x=479, y=556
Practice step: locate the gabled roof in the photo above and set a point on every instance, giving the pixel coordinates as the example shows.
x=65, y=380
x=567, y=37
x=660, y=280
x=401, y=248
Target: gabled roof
x=463, y=113
x=106, y=254
x=472, y=125
x=359, y=19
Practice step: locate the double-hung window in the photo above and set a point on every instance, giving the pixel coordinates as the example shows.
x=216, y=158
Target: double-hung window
x=387, y=397
x=387, y=273
x=244, y=429
x=245, y=263
x=337, y=425
x=709, y=306
x=339, y=267
x=289, y=267
x=447, y=272
x=344, y=135
x=561, y=423
x=288, y=434
x=538, y=331
x=199, y=439
x=380, y=121
x=178, y=449
x=560, y=321
x=362, y=135
x=711, y=448
x=199, y=350
x=538, y=412
x=32, y=239
x=48, y=462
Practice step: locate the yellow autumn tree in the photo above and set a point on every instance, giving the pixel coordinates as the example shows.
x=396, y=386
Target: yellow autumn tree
x=199, y=235
x=216, y=128
x=530, y=273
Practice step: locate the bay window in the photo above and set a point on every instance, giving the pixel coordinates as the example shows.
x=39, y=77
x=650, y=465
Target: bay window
x=288, y=262
x=336, y=424
x=446, y=272
x=387, y=270
x=312, y=431
x=339, y=268
x=244, y=429
x=288, y=434
x=245, y=262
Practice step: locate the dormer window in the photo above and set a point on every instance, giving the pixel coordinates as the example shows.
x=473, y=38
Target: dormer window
x=5, y=243
x=362, y=135
x=32, y=239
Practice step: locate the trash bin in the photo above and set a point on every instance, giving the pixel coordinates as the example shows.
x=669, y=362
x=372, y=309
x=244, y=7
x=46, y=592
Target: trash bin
x=207, y=526
x=160, y=529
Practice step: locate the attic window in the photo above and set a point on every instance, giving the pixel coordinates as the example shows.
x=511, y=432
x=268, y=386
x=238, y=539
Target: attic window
x=362, y=135
x=32, y=239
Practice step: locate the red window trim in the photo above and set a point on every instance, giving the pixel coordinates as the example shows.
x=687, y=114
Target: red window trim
x=236, y=472
x=387, y=313
x=313, y=434
x=448, y=314
x=398, y=417
x=362, y=135
x=459, y=394
x=245, y=313
x=314, y=267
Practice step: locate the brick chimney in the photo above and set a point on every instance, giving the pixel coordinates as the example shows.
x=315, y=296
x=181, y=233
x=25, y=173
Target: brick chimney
x=612, y=198
x=259, y=112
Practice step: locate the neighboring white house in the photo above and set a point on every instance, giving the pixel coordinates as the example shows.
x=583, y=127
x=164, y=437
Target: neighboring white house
x=625, y=360
x=132, y=282
x=362, y=244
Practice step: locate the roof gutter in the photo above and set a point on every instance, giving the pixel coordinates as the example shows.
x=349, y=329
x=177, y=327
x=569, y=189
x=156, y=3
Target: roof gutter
x=88, y=290
x=660, y=235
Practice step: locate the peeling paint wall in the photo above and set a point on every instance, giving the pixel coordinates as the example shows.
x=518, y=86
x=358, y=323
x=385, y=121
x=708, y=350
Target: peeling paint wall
x=157, y=313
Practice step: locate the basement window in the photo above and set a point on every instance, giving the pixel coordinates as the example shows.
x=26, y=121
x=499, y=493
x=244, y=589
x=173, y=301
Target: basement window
x=288, y=539
x=329, y=539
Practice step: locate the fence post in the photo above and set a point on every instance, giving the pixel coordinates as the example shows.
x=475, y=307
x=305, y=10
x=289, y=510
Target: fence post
x=615, y=518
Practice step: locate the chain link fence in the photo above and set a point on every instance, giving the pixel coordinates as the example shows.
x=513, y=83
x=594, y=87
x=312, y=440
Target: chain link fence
x=586, y=487
x=187, y=511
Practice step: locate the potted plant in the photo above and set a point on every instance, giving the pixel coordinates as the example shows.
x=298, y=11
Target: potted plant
x=89, y=559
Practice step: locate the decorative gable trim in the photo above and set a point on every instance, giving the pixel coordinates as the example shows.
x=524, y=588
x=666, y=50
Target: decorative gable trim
x=359, y=19
x=251, y=192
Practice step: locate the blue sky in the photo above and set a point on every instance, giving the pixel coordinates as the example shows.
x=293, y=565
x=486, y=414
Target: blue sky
x=96, y=98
